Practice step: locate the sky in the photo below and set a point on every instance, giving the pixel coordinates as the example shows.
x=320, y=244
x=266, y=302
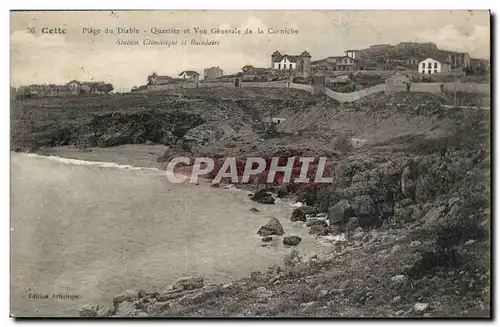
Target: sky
x=58, y=58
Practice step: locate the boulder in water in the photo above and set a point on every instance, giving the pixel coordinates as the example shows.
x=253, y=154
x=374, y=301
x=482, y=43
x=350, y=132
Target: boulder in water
x=259, y=195
x=267, y=200
x=292, y=240
x=298, y=215
x=314, y=222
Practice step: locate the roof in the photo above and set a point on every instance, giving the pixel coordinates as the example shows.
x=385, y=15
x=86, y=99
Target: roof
x=189, y=72
x=277, y=56
x=320, y=61
x=247, y=67
x=74, y=81
x=290, y=58
x=305, y=54
x=341, y=57
x=163, y=77
x=440, y=59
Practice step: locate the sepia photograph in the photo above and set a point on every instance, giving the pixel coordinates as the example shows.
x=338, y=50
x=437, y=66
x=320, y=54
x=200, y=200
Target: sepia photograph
x=250, y=163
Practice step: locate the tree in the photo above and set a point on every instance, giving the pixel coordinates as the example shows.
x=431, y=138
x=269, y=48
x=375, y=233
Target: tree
x=106, y=88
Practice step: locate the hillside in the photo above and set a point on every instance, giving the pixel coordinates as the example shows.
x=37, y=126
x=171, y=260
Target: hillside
x=137, y=118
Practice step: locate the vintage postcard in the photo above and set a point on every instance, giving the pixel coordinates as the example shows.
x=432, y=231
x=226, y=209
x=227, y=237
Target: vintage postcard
x=250, y=164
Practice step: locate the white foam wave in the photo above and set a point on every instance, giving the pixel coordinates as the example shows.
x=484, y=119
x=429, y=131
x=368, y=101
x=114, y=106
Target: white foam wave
x=80, y=162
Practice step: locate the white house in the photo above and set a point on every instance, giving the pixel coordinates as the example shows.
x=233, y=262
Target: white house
x=287, y=62
x=354, y=54
x=301, y=64
x=431, y=66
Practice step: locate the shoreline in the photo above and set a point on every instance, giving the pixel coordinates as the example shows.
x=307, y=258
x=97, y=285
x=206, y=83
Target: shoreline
x=275, y=250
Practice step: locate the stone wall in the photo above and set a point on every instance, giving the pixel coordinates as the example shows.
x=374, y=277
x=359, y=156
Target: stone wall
x=388, y=87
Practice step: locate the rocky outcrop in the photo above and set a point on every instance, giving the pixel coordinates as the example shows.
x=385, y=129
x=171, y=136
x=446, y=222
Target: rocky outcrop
x=318, y=230
x=313, y=222
x=433, y=215
x=188, y=283
x=340, y=212
x=273, y=227
x=89, y=310
x=408, y=181
x=267, y=200
x=127, y=296
x=260, y=194
x=298, y=215
x=263, y=197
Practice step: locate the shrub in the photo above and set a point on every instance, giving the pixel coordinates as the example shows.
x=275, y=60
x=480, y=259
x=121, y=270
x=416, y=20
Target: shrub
x=454, y=231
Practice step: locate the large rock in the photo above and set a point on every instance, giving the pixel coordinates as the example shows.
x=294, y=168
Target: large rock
x=308, y=210
x=406, y=213
x=126, y=296
x=307, y=307
x=202, y=295
x=266, y=200
x=188, y=283
x=408, y=181
x=352, y=223
x=340, y=213
x=298, y=215
x=273, y=227
x=361, y=206
x=89, y=310
x=169, y=294
x=262, y=293
x=433, y=215
x=292, y=240
x=126, y=309
x=399, y=279
x=319, y=230
x=320, y=222
x=259, y=195
x=368, y=217
x=158, y=307
x=420, y=307
x=104, y=312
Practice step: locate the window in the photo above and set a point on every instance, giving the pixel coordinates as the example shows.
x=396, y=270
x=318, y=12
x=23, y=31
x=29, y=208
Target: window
x=429, y=72
x=435, y=71
x=423, y=65
x=423, y=72
x=435, y=65
x=279, y=66
x=290, y=66
x=429, y=65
